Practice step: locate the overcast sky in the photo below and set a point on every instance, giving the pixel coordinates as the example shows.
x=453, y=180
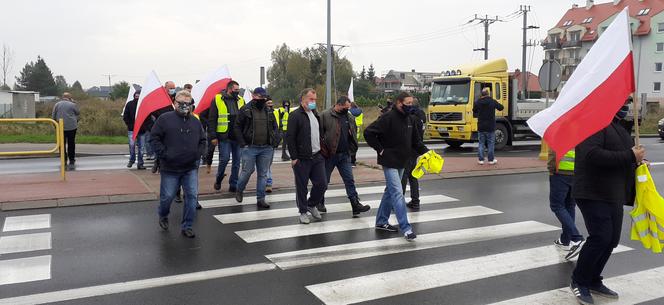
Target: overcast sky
x=185, y=40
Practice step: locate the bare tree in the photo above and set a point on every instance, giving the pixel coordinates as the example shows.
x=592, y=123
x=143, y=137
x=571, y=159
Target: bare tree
x=6, y=61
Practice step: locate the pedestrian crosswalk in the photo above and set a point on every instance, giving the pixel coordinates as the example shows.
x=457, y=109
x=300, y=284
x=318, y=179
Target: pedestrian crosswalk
x=28, y=267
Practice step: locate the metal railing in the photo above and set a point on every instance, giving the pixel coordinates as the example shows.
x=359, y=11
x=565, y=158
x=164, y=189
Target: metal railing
x=59, y=142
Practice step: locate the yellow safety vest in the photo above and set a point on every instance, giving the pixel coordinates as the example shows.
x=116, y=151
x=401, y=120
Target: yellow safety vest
x=648, y=213
x=358, y=124
x=431, y=162
x=276, y=116
x=284, y=119
x=567, y=162
x=222, y=119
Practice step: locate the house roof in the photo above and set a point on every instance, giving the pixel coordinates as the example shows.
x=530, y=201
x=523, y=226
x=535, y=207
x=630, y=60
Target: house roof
x=602, y=11
x=533, y=81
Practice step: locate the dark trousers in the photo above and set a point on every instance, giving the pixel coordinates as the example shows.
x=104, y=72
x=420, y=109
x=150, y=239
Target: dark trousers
x=284, y=145
x=408, y=178
x=604, y=222
x=70, y=145
x=304, y=171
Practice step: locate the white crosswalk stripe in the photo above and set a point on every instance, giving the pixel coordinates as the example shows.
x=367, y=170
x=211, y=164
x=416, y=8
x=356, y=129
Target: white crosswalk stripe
x=25, y=243
x=274, y=233
x=23, y=270
x=331, y=208
x=28, y=222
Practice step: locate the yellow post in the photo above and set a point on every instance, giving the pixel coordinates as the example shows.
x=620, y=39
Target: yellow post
x=60, y=136
x=544, y=151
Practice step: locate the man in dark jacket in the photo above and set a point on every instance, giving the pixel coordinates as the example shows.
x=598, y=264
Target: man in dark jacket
x=339, y=134
x=484, y=110
x=257, y=132
x=420, y=120
x=129, y=116
x=221, y=121
x=304, y=147
x=179, y=141
x=393, y=136
x=604, y=181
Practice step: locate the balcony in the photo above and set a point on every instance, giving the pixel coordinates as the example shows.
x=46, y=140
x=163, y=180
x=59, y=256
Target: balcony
x=570, y=61
x=551, y=45
x=572, y=44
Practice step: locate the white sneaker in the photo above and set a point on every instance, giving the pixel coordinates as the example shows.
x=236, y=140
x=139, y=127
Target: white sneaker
x=575, y=249
x=304, y=219
x=493, y=162
x=314, y=213
x=480, y=162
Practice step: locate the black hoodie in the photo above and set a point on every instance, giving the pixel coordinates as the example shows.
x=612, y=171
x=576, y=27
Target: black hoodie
x=179, y=142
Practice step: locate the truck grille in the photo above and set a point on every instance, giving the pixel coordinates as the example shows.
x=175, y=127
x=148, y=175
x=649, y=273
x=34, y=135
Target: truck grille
x=445, y=116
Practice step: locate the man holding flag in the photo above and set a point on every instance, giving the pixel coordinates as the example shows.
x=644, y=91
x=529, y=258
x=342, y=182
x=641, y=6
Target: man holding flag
x=586, y=116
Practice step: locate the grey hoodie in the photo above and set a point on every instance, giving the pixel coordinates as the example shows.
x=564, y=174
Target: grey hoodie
x=68, y=112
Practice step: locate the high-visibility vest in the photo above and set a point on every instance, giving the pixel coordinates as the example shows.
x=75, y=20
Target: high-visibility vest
x=431, y=162
x=284, y=118
x=567, y=162
x=222, y=119
x=276, y=116
x=358, y=124
x=648, y=213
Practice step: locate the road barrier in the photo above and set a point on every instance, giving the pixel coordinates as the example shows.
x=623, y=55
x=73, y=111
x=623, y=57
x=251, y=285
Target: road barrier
x=59, y=142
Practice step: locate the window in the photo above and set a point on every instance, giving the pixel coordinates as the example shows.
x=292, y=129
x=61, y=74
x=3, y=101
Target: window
x=567, y=23
x=575, y=36
x=660, y=27
x=658, y=67
x=497, y=93
x=587, y=20
x=643, y=12
x=657, y=87
x=660, y=47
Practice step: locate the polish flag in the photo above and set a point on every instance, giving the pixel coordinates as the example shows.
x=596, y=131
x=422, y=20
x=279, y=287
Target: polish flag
x=204, y=91
x=593, y=94
x=350, y=91
x=153, y=97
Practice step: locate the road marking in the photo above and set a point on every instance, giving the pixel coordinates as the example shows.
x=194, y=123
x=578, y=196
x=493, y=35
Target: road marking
x=387, y=284
x=23, y=270
x=634, y=288
x=94, y=291
x=25, y=243
x=323, y=255
x=656, y=163
x=518, y=151
x=331, y=208
x=274, y=233
x=29, y=222
x=227, y=202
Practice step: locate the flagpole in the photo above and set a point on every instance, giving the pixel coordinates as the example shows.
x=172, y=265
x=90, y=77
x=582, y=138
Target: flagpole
x=636, y=116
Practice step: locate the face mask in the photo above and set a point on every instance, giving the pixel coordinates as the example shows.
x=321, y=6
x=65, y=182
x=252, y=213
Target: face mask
x=343, y=111
x=235, y=94
x=171, y=91
x=260, y=103
x=409, y=109
x=183, y=108
x=622, y=113
x=312, y=106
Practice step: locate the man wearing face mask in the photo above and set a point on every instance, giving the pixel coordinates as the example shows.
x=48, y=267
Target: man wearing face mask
x=179, y=142
x=221, y=121
x=284, y=112
x=256, y=130
x=393, y=136
x=420, y=122
x=340, y=136
x=307, y=161
x=604, y=181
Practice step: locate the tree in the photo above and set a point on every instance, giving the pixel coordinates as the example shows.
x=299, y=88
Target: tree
x=371, y=74
x=61, y=84
x=119, y=90
x=76, y=87
x=363, y=74
x=6, y=62
x=36, y=76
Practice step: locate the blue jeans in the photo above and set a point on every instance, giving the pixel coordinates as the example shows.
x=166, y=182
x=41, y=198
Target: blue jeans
x=393, y=199
x=170, y=184
x=342, y=162
x=259, y=158
x=487, y=141
x=269, y=170
x=226, y=148
x=148, y=148
x=562, y=204
x=132, y=148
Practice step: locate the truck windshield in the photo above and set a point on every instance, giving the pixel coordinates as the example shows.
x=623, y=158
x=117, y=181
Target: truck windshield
x=450, y=92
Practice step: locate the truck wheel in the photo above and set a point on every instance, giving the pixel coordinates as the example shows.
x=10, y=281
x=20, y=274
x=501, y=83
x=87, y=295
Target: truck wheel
x=502, y=136
x=454, y=144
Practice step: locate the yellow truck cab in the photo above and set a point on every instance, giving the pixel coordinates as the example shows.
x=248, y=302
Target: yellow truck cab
x=454, y=93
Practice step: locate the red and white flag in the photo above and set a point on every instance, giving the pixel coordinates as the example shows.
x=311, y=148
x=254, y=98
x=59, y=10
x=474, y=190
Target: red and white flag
x=204, y=91
x=593, y=94
x=153, y=97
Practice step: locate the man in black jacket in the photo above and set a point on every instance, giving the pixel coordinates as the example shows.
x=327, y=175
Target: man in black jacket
x=129, y=117
x=484, y=110
x=393, y=136
x=257, y=132
x=179, y=142
x=304, y=146
x=604, y=181
x=420, y=120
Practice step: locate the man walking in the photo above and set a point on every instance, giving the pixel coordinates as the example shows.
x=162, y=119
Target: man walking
x=420, y=120
x=484, y=110
x=393, y=136
x=257, y=132
x=221, y=121
x=305, y=151
x=129, y=117
x=339, y=132
x=561, y=179
x=284, y=111
x=179, y=141
x=68, y=111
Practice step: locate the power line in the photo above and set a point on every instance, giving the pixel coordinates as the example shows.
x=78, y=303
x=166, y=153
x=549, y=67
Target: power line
x=486, y=21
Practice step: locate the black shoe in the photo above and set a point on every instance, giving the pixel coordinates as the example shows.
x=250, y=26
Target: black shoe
x=387, y=227
x=217, y=183
x=582, y=294
x=198, y=205
x=140, y=167
x=285, y=158
x=163, y=223
x=321, y=208
x=155, y=168
x=262, y=204
x=130, y=164
x=188, y=233
x=238, y=196
x=232, y=189
x=415, y=205
x=358, y=207
x=603, y=291
x=410, y=236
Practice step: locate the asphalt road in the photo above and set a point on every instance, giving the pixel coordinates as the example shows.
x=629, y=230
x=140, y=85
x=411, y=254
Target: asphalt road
x=481, y=240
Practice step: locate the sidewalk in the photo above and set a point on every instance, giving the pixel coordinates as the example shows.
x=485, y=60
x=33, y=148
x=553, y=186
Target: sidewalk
x=27, y=191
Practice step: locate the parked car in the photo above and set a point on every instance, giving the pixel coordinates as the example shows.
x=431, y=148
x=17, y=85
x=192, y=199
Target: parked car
x=660, y=128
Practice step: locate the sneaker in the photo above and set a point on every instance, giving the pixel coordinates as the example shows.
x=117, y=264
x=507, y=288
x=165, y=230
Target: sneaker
x=262, y=204
x=304, y=219
x=387, y=227
x=582, y=294
x=480, y=162
x=188, y=233
x=155, y=168
x=603, y=291
x=130, y=164
x=163, y=223
x=493, y=162
x=561, y=246
x=268, y=189
x=574, y=249
x=415, y=205
x=238, y=196
x=410, y=236
x=71, y=166
x=140, y=167
x=321, y=208
x=314, y=213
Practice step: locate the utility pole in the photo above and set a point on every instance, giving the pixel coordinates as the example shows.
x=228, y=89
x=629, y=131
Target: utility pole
x=328, y=81
x=262, y=76
x=524, y=9
x=486, y=21
x=109, y=79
